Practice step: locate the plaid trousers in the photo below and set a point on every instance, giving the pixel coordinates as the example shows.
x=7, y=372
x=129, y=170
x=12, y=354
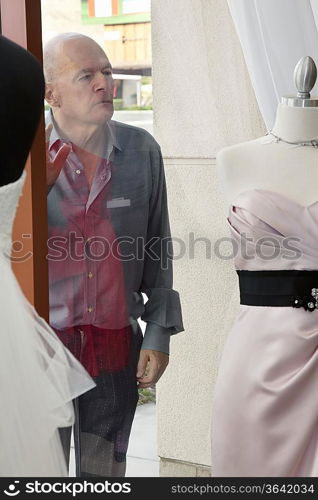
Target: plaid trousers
x=104, y=416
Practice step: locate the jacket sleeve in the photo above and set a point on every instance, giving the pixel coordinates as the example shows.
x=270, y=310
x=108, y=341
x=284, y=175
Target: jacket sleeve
x=163, y=309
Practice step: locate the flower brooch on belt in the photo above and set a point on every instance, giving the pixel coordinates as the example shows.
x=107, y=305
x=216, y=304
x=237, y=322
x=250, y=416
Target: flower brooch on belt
x=306, y=301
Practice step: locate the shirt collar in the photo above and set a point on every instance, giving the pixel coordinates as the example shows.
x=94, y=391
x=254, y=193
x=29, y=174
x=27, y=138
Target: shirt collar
x=114, y=135
x=110, y=127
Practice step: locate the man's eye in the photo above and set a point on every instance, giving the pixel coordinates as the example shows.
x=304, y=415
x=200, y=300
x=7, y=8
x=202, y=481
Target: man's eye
x=85, y=77
x=107, y=72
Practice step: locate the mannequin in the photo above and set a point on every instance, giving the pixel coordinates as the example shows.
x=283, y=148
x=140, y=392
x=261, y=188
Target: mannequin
x=290, y=170
x=21, y=104
x=264, y=421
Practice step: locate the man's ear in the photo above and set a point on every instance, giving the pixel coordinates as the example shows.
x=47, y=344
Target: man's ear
x=51, y=96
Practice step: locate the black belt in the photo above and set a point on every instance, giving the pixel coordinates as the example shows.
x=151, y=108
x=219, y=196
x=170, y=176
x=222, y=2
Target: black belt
x=287, y=287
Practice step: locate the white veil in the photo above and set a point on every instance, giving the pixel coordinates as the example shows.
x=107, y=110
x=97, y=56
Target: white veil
x=38, y=380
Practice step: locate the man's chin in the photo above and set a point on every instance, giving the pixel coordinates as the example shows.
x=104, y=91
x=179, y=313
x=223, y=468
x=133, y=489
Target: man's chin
x=109, y=111
x=105, y=117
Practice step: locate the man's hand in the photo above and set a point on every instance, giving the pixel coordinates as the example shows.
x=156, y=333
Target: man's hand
x=151, y=366
x=54, y=167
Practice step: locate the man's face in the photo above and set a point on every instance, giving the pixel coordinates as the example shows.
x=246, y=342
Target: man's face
x=84, y=83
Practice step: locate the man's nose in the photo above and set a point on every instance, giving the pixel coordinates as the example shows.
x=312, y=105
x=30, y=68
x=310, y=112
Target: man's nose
x=103, y=82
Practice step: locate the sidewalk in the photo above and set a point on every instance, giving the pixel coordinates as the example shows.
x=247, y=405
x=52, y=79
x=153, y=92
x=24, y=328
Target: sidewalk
x=142, y=459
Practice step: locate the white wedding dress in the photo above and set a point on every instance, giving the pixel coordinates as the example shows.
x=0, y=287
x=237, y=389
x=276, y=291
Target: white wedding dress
x=38, y=376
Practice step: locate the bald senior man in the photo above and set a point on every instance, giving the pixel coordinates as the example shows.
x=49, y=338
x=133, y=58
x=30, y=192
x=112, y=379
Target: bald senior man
x=109, y=242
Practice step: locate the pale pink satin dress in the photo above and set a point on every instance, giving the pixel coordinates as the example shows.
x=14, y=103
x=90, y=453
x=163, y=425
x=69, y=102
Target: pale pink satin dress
x=265, y=402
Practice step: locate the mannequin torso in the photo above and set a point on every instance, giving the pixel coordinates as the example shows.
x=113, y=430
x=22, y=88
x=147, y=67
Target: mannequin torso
x=263, y=163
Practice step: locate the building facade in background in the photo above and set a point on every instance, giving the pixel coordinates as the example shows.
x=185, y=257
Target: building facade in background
x=127, y=42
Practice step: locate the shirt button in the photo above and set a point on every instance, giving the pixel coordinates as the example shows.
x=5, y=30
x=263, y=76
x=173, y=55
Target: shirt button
x=78, y=171
x=90, y=309
x=90, y=275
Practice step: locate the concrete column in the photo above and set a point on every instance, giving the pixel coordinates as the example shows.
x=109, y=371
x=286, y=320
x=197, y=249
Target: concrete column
x=203, y=101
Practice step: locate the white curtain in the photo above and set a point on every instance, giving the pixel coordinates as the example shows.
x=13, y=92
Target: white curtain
x=274, y=35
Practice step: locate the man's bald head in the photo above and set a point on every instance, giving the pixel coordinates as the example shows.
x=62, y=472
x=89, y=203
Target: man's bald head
x=54, y=53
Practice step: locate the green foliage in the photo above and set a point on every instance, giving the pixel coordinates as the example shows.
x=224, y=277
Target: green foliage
x=146, y=80
x=146, y=396
x=118, y=105
x=137, y=108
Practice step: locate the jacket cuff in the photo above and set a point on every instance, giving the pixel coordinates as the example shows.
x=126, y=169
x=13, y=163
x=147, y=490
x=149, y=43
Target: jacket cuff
x=156, y=338
x=164, y=309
